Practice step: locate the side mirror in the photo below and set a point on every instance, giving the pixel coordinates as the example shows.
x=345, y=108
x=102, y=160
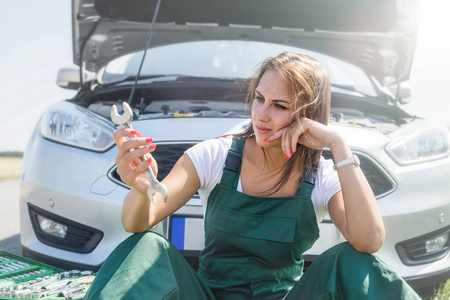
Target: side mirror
x=404, y=92
x=68, y=78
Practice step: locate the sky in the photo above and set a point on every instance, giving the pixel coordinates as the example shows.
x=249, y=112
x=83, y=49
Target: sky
x=36, y=41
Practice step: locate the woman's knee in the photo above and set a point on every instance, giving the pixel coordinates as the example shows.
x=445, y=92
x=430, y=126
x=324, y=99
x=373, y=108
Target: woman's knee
x=346, y=251
x=146, y=242
x=344, y=257
x=147, y=239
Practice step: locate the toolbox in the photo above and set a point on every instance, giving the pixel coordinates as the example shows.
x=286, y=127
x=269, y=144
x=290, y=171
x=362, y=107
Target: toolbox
x=24, y=278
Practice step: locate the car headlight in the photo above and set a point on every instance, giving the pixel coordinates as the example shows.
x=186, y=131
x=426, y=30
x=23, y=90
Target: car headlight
x=76, y=126
x=419, y=142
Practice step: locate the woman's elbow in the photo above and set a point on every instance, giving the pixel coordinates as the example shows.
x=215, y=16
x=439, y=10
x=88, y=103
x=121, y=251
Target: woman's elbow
x=133, y=230
x=371, y=247
x=128, y=228
x=131, y=227
x=372, y=243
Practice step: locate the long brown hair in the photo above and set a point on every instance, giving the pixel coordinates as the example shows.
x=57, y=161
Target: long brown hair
x=309, y=85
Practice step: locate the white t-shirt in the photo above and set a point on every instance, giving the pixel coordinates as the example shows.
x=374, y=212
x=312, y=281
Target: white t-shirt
x=209, y=160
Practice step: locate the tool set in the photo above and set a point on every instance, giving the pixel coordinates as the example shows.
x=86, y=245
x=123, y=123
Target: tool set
x=23, y=278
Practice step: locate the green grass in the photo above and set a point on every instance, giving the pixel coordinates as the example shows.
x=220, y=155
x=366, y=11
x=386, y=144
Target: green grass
x=10, y=168
x=11, y=154
x=443, y=293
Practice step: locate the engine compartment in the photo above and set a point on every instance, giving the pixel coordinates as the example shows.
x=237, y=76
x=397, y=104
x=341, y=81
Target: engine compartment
x=223, y=99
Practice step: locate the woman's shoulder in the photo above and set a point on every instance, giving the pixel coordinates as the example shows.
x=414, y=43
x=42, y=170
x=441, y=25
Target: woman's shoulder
x=327, y=178
x=223, y=143
x=325, y=166
x=209, y=158
x=214, y=146
x=327, y=184
x=326, y=175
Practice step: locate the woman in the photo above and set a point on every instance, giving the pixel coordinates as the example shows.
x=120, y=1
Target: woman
x=264, y=192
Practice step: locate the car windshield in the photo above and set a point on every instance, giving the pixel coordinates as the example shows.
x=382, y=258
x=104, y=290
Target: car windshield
x=226, y=59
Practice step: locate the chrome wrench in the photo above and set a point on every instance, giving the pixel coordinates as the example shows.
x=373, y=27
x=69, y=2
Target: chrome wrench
x=125, y=120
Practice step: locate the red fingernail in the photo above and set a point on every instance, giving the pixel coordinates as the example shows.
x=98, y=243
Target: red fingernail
x=286, y=156
x=292, y=152
x=149, y=160
x=149, y=140
x=266, y=139
x=133, y=132
x=153, y=146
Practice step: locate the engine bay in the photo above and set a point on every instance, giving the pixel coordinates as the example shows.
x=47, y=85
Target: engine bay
x=227, y=99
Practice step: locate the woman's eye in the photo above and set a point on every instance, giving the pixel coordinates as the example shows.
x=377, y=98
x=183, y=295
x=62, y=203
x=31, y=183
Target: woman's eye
x=259, y=99
x=281, y=107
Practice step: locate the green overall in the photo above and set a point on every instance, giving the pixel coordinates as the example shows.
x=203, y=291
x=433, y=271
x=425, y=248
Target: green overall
x=253, y=249
x=254, y=245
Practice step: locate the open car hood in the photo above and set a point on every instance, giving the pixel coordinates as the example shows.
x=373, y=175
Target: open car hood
x=378, y=36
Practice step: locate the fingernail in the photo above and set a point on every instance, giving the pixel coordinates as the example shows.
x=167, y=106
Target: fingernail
x=286, y=156
x=153, y=146
x=292, y=152
x=149, y=160
x=149, y=140
x=133, y=132
x=266, y=139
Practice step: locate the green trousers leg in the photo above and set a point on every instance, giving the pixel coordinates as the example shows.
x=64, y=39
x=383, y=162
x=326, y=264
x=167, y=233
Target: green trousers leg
x=341, y=272
x=147, y=266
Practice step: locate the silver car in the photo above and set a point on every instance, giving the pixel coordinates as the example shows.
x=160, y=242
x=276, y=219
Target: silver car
x=192, y=87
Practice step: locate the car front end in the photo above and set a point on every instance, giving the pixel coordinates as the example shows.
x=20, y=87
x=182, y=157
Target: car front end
x=193, y=87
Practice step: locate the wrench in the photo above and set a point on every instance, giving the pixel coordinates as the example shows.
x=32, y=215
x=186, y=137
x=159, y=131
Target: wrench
x=125, y=120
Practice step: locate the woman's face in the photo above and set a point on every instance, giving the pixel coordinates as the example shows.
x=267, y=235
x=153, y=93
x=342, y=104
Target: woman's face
x=272, y=108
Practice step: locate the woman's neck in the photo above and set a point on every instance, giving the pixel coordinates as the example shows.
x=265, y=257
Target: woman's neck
x=263, y=168
x=270, y=159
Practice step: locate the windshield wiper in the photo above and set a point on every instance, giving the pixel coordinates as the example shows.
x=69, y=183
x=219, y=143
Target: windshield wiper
x=344, y=87
x=169, y=77
x=125, y=77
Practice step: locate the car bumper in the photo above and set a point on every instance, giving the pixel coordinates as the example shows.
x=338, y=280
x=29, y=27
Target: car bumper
x=60, y=263
x=428, y=280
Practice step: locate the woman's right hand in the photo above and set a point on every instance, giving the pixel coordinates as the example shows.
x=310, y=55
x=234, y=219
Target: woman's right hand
x=132, y=146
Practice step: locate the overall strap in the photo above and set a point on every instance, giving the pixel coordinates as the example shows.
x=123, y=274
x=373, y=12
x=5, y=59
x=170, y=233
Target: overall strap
x=233, y=161
x=309, y=175
x=307, y=181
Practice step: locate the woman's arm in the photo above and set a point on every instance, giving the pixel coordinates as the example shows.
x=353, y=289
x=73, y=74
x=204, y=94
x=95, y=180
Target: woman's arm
x=139, y=213
x=353, y=210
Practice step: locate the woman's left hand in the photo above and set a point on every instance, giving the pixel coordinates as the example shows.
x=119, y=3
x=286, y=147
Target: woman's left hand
x=307, y=132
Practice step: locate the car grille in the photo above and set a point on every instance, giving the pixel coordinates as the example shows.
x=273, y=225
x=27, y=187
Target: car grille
x=79, y=238
x=413, y=252
x=167, y=155
x=379, y=180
